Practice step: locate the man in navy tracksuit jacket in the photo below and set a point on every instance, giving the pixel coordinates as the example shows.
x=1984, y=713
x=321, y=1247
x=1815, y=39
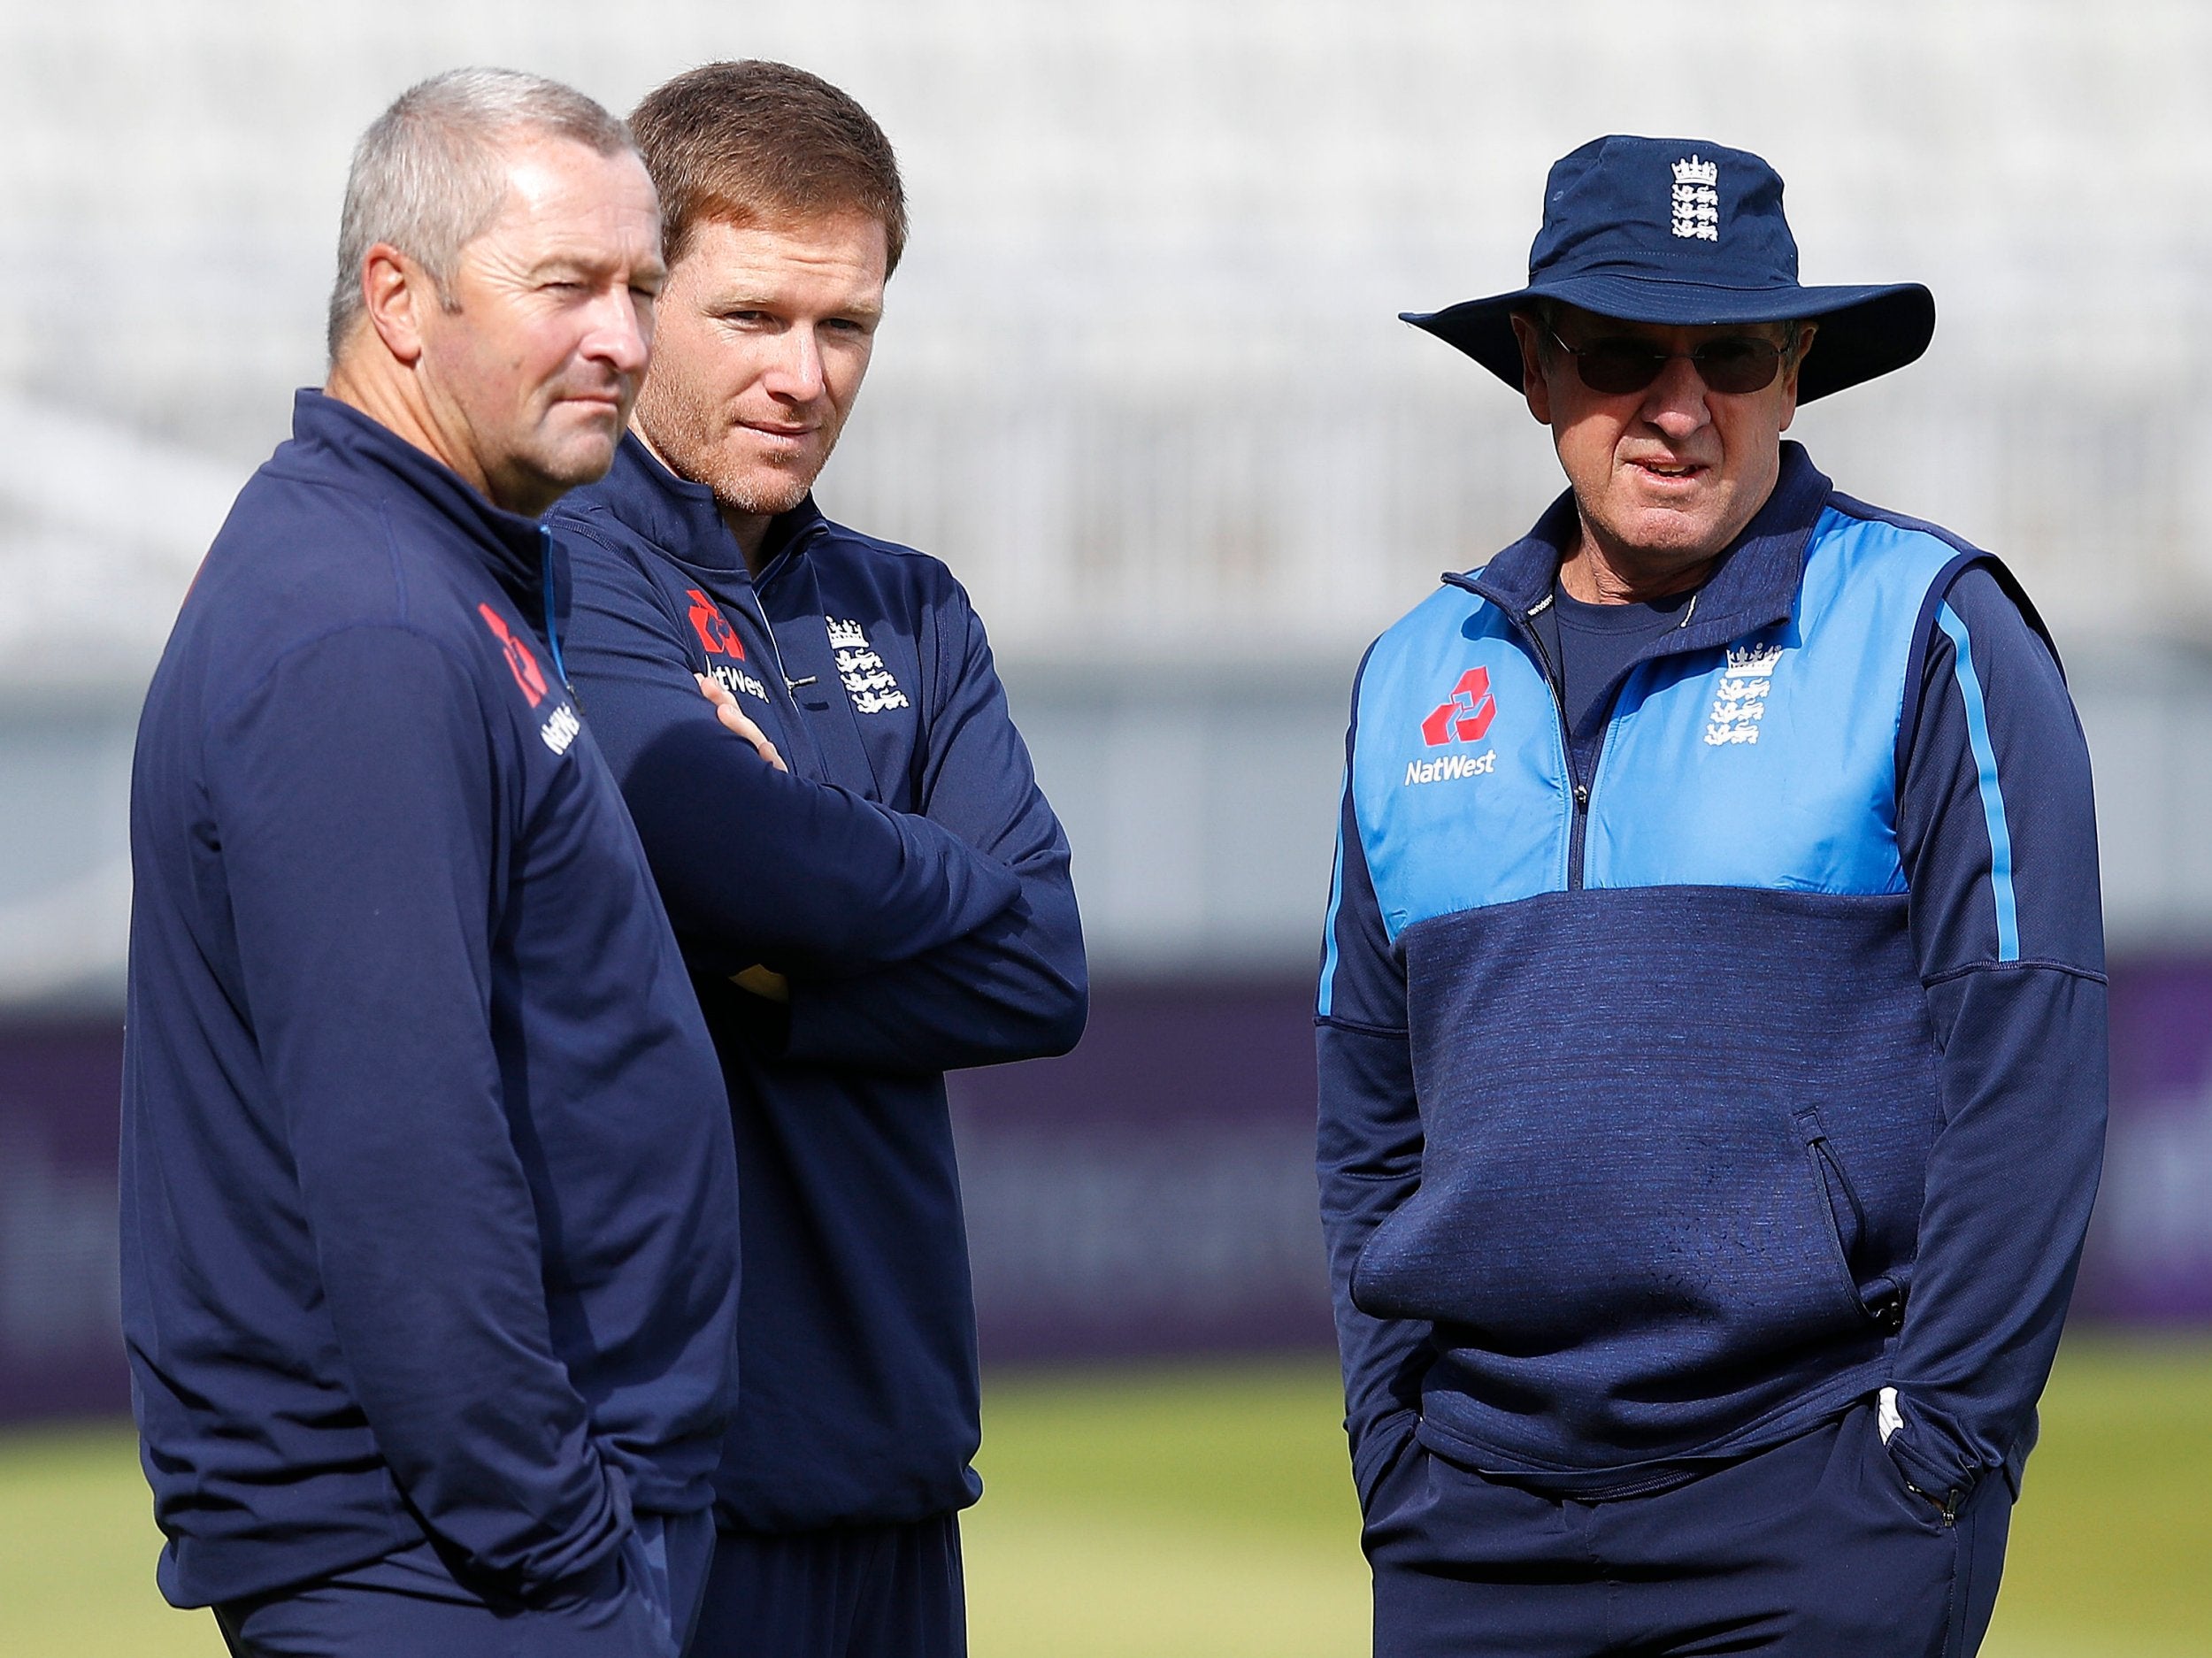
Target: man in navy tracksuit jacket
x=1712, y=1020
x=428, y=1193
x=860, y=667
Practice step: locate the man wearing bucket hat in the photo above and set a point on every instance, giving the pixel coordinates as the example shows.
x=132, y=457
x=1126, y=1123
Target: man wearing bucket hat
x=1712, y=1016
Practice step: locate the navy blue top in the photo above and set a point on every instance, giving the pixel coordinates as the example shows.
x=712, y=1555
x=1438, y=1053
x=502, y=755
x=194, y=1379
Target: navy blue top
x=1592, y=648
x=428, y=1184
x=1931, y=1054
x=911, y=880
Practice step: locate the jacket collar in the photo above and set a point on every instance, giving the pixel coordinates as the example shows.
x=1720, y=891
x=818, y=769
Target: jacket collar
x=681, y=517
x=1753, y=586
x=509, y=543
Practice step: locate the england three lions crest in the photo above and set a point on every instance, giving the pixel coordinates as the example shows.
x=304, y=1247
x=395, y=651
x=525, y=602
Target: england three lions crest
x=1740, y=702
x=867, y=681
x=1697, y=199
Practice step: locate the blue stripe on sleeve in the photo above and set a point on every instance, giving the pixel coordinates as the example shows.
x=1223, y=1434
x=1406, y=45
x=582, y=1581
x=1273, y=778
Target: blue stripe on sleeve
x=1328, y=933
x=1993, y=796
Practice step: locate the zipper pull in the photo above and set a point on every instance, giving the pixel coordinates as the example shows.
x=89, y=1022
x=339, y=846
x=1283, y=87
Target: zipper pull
x=1582, y=797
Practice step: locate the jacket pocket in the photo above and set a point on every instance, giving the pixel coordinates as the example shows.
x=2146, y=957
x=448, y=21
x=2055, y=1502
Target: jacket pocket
x=1881, y=1300
x=1683, y=1236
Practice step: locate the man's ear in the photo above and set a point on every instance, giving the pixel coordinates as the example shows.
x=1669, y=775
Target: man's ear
x=1803, y=344
x=394, y=290
x=1534, y=386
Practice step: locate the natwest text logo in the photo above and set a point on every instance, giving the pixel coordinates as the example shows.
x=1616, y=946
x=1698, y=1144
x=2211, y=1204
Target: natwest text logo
x=1467, y=716
x=1452, y=766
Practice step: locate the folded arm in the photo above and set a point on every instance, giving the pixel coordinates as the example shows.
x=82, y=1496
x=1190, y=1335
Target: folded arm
x=753, y=865
x=1016, y=987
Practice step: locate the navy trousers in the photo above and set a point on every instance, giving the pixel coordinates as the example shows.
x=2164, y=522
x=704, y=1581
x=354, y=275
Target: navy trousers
x=845, y=1591
x=1812, y=1549
x=641, y=1605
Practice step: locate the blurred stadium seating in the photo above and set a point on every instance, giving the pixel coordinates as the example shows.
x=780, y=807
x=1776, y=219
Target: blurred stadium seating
x=1143, y=388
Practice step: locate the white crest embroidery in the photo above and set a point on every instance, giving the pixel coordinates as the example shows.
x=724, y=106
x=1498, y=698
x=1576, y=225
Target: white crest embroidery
x=867, y=681
x=1740, y=701
x=1697, y=199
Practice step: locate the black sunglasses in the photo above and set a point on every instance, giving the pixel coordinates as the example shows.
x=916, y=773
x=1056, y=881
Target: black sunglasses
x=1732, y=365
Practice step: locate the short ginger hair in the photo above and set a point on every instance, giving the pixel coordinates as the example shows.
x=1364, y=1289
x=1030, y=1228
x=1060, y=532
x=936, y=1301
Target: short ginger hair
x=756, y=143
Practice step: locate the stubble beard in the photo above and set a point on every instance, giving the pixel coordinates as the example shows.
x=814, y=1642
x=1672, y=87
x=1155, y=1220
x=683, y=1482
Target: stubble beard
x=691, y=437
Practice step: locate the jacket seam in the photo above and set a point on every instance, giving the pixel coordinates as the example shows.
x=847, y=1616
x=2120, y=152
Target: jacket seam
x=2026, y=963
x=1360, y=1027
x=224, y=710
x=1835, y=1393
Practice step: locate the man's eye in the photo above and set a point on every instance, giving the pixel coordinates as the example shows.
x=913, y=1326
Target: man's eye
x=1728, y=353
x=1620, y=351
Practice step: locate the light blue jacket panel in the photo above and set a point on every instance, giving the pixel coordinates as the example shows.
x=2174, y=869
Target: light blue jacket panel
x=1723, y=767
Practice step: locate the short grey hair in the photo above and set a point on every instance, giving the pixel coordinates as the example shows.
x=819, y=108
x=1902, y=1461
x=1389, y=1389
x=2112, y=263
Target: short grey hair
x=430, y=174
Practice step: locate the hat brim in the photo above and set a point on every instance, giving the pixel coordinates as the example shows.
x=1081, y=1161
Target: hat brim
x=1864, y=332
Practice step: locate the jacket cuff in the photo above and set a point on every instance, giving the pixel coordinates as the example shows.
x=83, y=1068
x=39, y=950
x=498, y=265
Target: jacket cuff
x=1384, y=1441
x=1941, y=1479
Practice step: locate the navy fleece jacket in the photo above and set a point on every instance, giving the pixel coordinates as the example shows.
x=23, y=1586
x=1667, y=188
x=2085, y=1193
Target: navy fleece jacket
x=1959, y=1125
x=911, y=815
x=428, y=1195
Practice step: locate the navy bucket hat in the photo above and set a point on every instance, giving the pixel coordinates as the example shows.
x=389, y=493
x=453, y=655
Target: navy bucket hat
x=1679, y=231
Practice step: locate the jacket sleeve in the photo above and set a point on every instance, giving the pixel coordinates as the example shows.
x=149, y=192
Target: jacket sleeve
x=756, y=865
x=1015, y=987
x=359, y=804
x=1369, y=1148
x=1997, y=829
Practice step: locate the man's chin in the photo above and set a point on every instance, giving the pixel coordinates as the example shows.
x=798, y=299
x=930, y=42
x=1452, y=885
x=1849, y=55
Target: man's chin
x=533, y=484
x=765, y=497
x=584, y=461
x=1671, y=535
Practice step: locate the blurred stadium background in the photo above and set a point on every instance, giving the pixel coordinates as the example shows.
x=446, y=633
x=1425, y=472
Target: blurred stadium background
x=1142, y=387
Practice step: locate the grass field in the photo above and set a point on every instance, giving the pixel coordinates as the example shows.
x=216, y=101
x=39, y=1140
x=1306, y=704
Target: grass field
x=1204, y=1511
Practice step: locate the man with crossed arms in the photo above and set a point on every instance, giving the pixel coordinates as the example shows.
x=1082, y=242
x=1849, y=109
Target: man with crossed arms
x=864, y=677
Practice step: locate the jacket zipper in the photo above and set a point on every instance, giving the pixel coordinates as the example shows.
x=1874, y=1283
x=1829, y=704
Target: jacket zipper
x=778, y=567
x=1579, y=823
x=755, y=597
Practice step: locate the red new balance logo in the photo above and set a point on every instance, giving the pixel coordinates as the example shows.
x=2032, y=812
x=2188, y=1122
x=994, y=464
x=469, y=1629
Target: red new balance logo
x=521, y=661
x=717, y=637
x=1467, y=716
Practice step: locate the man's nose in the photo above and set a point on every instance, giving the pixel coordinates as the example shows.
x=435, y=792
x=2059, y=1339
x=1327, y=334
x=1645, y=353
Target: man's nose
x=621, y=332
x=796, y=374
x=1675, y=402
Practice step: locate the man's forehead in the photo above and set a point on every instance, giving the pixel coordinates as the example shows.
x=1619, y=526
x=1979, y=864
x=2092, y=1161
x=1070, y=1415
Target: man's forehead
x=565, y=200
x=826, y=233
x=835, y=259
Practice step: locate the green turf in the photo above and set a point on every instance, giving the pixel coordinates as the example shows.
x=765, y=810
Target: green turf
x=77, y=1547
x=1204, y=1511
x=1203, y=1514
